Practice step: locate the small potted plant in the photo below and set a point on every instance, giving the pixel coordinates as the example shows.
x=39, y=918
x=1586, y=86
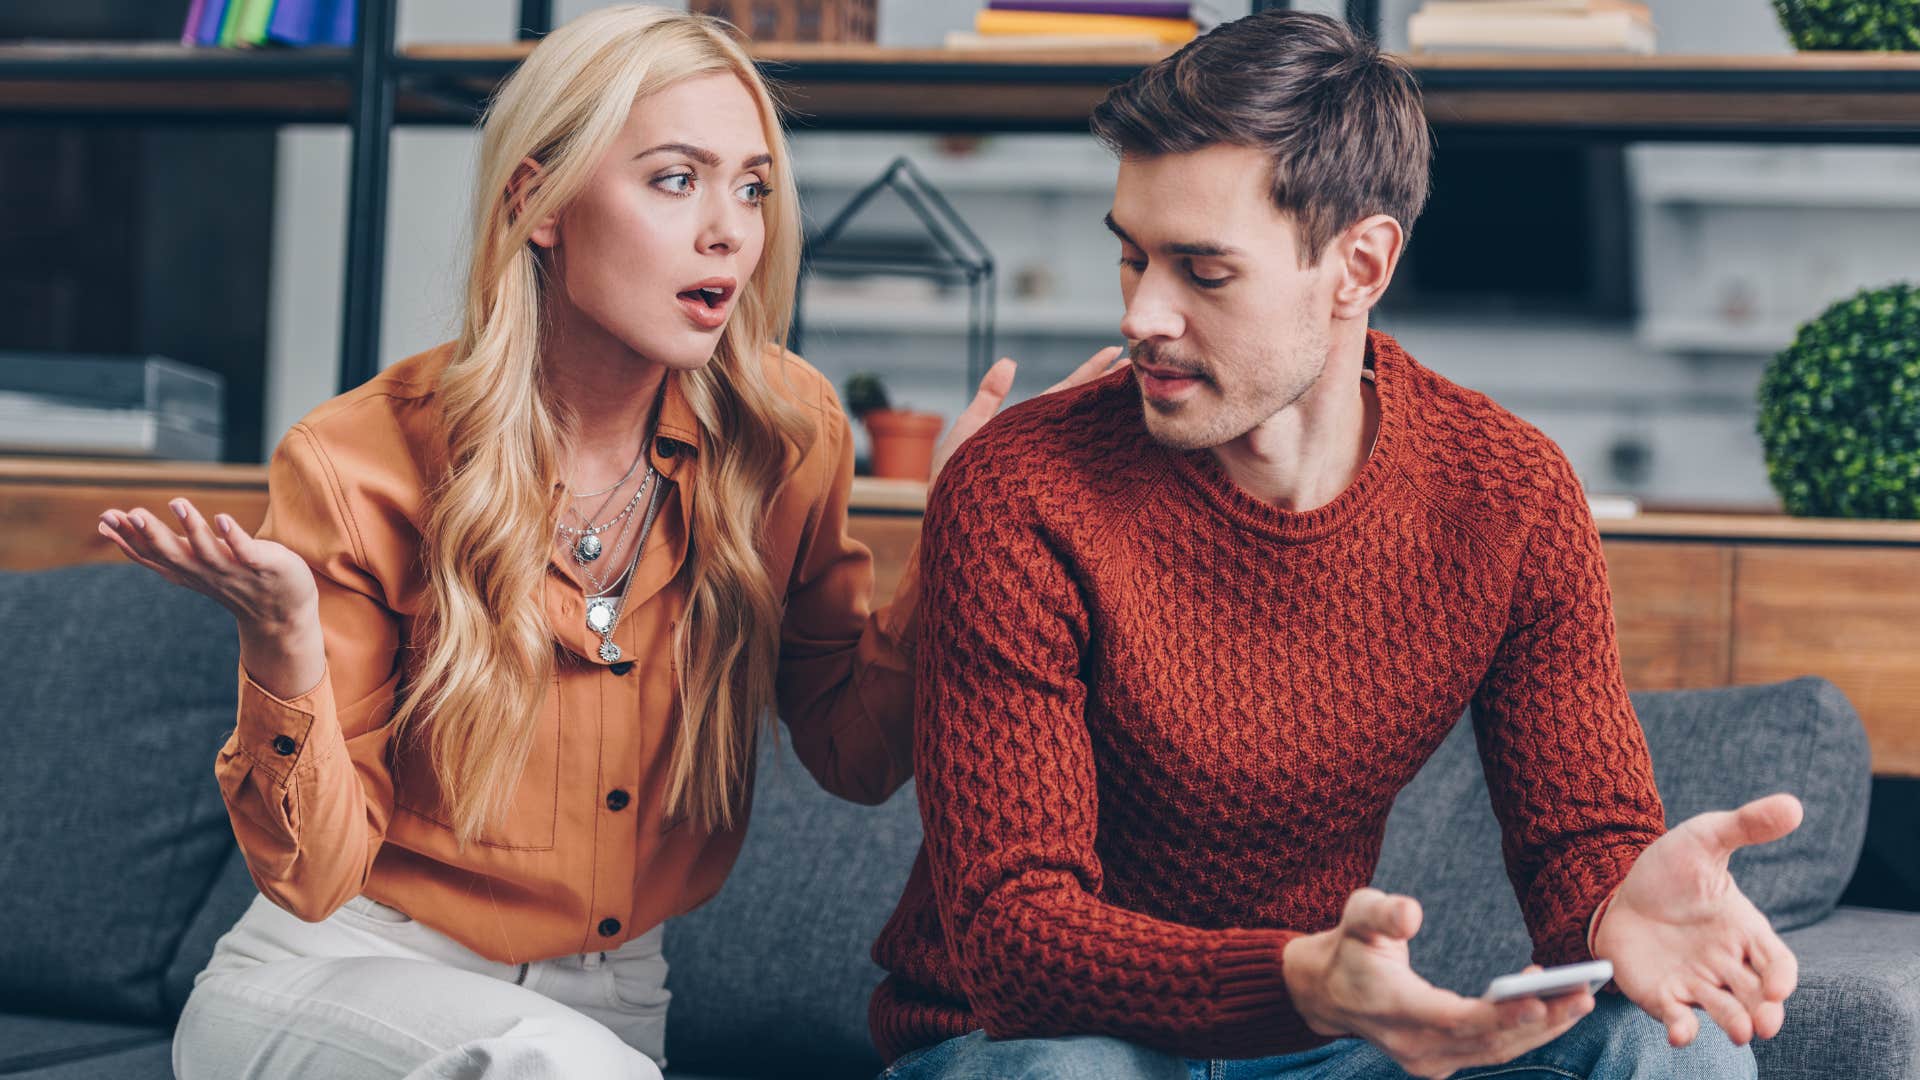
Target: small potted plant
x=1864, y=25
x=902, y=439
x=1840, y=410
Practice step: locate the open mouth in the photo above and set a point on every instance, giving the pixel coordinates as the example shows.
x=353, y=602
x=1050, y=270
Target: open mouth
x=706, y=304
x=713, y=296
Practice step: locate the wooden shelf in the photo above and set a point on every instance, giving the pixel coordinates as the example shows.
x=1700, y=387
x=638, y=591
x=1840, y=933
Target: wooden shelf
x=1832, y=96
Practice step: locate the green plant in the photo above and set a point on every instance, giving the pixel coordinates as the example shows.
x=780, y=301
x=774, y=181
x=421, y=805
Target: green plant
x=1840, y=409
x=866, y=393
x=1851, y=24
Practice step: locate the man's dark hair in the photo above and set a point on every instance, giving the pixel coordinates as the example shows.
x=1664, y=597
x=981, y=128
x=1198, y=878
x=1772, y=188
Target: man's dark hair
x=1340, y=121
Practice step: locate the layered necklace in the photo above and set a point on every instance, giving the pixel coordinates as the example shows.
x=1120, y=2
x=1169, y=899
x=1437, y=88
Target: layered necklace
x=585, y=547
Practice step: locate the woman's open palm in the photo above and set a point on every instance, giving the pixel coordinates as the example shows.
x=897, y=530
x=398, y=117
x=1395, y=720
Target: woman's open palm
x=263, y=583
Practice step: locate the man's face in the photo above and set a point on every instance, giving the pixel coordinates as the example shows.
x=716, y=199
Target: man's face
x=1228, y=330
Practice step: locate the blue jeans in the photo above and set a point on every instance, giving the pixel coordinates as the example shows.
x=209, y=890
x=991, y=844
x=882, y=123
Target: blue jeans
x=1616, y=1041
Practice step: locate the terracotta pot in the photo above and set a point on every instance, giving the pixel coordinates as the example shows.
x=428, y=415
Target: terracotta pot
x=903, y=442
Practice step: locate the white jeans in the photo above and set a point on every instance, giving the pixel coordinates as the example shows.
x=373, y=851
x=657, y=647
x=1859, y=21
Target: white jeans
x=369, y=992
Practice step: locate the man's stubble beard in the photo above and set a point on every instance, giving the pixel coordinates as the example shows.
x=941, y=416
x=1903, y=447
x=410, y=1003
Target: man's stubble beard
x=1214, y=417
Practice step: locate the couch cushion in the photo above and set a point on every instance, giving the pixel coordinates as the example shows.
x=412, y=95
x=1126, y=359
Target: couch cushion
x=30, y=1044
x=120, y=690
x=772, y=976
x=1711, y=749
x=1856, y=1012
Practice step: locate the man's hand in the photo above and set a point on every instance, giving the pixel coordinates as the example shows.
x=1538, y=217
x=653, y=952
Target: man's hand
x=1355, y=980
x=995, y=386
x=1680, y=933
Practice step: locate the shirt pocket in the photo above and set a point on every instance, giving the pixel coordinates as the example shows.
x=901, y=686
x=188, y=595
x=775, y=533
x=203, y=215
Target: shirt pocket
x=534, y=812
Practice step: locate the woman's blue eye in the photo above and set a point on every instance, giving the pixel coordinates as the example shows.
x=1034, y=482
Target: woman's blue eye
x=762, y=192
x=675, y=176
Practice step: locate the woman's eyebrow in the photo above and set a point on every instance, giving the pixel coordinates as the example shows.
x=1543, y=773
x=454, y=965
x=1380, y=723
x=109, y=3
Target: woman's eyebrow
x=705, y=157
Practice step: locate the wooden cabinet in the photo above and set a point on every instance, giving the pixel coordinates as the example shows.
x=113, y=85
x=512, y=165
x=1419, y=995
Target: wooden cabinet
x=1699, y=600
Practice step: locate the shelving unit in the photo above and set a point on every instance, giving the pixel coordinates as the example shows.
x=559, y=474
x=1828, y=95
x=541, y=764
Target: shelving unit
x=1829, y=97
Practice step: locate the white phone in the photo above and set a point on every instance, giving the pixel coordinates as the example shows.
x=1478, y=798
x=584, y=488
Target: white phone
x=1552, y=982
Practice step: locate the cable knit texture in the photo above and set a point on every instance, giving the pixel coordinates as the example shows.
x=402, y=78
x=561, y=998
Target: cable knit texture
x=1161, y=722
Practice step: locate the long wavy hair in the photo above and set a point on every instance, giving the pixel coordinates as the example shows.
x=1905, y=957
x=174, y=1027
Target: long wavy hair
x=484, y=657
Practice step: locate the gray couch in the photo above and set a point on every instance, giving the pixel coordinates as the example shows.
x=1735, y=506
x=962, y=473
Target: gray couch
x=119, y=867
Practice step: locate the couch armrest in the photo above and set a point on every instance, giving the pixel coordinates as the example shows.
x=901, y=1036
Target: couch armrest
x=1856, y=1012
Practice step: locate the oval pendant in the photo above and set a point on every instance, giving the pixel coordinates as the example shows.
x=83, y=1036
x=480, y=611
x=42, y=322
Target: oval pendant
x=588, y=549
x=609, y=651
x=599, y=616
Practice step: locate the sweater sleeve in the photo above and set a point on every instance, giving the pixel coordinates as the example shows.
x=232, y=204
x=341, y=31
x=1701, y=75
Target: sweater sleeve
x=1566, y=762
x=1009, y=805
x=305, y=779
x=845, y=684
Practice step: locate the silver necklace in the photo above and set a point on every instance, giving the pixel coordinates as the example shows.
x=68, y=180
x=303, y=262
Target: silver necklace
x=603, y=613
x=586, y=566
x=622, y=480
x=588, y=547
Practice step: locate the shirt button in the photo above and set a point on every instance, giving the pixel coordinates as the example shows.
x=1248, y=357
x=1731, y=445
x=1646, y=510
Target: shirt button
x=621, y=668
x=283, y=745
x=609, y=927
x=616, y=799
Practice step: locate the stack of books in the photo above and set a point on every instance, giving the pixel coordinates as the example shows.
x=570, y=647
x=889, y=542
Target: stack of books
x=112, y=406
x=238, y=24
x=1087, y=24
x=1606, y=26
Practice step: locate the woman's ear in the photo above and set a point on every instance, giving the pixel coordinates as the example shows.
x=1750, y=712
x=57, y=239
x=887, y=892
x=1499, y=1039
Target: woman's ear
x=526, y=178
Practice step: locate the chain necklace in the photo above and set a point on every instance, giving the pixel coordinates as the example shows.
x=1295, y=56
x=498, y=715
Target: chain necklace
x=586, y=565
x=603, y=612
x=588, y=547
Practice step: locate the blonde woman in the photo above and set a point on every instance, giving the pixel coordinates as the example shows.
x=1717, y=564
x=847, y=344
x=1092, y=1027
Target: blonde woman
x=522, y=603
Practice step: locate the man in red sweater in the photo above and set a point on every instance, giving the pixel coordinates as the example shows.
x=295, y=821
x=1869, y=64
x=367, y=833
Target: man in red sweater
x=1188, y=631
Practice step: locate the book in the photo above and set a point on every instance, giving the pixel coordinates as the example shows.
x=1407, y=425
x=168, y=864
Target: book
x=192, y=26
x=966, y=39
x=1166, y=31
x=212, y=15
x=340, y=31
x=254, y=17
x=1150, y=9
x=1608, y=31
x=311, y=22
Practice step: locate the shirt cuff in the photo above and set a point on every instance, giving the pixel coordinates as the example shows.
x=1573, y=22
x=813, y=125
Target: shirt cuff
x=1593, y=930
x=274, y=731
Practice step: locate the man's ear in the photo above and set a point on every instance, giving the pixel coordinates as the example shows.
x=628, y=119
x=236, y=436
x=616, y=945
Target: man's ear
x=1368, y=252
x=527, y=177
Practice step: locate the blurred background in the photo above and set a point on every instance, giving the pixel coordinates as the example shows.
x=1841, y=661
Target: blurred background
x=1624, y=296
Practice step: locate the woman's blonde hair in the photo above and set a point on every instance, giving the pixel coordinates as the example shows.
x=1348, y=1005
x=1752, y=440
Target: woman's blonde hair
x=486, y=653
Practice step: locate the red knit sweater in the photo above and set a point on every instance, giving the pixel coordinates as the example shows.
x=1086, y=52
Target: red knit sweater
x=1161, y=722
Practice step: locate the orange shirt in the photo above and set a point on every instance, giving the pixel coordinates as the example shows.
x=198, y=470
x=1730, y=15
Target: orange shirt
x=324, y=804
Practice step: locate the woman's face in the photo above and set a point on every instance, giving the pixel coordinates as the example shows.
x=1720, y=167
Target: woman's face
x=654, y=253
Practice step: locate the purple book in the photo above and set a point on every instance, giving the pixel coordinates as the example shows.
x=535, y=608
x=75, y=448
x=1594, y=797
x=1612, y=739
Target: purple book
x=1149, y=9
x=340, y=30
x=294, y=22
x=212, y=14
x=191, y=27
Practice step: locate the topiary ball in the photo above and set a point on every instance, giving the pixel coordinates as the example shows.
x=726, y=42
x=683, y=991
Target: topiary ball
x=1840, y=410
x=1851, y=24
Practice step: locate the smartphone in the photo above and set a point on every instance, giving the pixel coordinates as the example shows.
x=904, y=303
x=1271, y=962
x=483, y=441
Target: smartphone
x=1554, y=981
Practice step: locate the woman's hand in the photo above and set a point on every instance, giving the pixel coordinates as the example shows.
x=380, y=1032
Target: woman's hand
x=993, y=393
x=265, y=585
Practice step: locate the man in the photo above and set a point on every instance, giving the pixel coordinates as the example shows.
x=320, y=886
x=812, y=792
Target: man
x=1188, y=631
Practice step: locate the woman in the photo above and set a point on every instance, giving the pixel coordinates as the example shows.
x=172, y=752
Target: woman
x=521, y=603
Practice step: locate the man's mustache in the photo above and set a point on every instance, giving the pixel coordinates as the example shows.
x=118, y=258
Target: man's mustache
x=1159, y=360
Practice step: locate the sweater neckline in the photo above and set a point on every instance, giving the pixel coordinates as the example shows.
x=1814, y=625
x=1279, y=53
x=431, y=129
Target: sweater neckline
x=1203, y=472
